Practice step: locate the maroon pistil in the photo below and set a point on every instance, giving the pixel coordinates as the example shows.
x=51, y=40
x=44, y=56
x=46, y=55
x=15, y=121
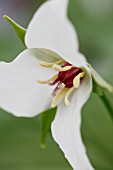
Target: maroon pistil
x=66, y=77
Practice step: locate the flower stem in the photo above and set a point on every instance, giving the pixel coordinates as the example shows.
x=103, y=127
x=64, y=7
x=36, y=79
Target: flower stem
x=107, y=104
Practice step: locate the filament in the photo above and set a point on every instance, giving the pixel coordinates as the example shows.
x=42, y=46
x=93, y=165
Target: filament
x=46, y=64
x=58, y=97
x=76, y=81
x=59, y=68
x=49, y=80
x=70, y=91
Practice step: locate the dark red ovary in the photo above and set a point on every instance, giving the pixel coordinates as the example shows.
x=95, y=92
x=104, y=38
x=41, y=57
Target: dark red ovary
x=68, y=76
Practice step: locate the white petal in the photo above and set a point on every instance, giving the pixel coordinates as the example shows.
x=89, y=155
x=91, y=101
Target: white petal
x=51, y=29
x=66, y=127
x=20, y=93
x=77, y=60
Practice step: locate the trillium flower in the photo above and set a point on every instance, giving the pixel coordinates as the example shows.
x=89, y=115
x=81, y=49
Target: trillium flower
x=51, y=72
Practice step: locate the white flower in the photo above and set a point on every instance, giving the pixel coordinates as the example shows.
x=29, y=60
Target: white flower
x=52, y=42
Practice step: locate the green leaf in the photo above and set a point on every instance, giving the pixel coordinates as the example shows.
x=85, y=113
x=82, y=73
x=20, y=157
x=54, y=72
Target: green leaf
x=46, y=120
x=20, y=31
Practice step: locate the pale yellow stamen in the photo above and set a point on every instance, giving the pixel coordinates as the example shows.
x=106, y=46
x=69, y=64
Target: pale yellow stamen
x=42, y=82
x=53, y=78
x=46, y=64
x=76, y=84
x=48, y=81
x=58, y=97
x=70, y=91
x=76, y=81
x=59, y=68
x=62, y=90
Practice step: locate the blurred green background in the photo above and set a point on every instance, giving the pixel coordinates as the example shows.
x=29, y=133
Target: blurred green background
x=20, y=137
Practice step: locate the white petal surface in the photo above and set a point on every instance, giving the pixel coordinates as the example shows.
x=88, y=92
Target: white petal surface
x=20, y=93
x=77, y=60
x=66, y=127
x=51, y=29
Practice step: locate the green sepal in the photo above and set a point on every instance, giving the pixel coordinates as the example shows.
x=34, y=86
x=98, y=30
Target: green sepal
x=46, y=120
x=101, y=88
x=97, y=89
x=99, y=83
x=20, y=31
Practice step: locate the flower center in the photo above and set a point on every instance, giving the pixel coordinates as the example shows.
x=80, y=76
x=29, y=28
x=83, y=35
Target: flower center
x=66, y=80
